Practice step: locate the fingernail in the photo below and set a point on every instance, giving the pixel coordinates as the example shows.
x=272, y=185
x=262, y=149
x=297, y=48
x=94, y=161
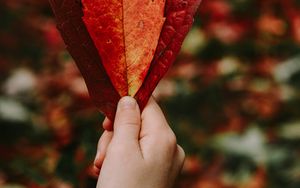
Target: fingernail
x=127, y=103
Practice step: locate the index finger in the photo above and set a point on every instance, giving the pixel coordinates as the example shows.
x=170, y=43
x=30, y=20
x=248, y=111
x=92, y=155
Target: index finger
x=153, y=119
x=157, y=140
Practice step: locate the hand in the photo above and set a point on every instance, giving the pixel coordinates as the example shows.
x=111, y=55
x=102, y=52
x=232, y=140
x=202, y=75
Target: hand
x=141, y=152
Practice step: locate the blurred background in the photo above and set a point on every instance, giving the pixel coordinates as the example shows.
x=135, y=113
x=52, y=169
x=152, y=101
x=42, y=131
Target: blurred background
x=232, y=97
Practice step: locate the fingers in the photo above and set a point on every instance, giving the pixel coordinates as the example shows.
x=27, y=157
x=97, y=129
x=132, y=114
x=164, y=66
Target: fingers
x=156, y=135
x=101, y=150
x=153, y=119
x=177, y=165
x=126, y=129
x=127, y=121
x=179, y=159
x=107, y=124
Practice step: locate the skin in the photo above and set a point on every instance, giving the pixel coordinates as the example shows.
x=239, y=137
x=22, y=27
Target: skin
x=141, y=152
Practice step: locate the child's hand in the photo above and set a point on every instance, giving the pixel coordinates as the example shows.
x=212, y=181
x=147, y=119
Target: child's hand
x=141, y=152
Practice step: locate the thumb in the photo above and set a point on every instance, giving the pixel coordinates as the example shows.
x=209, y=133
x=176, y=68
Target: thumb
x=127, y=123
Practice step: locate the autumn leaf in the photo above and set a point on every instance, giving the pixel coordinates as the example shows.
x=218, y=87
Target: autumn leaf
x=68, y=14
x=179, y=19
x=123, y=47
x=125, y=33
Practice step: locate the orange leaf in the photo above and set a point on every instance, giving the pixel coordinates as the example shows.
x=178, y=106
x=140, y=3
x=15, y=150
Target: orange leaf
x=123, y=48
x=126, y=34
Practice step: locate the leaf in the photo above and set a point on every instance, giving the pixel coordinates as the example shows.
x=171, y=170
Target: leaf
x=105, y=71
x=125, y=33
x=179, y=19
x=68, y=15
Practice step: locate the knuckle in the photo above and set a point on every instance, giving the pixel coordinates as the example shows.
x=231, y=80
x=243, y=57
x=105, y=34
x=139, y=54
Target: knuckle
x=181, y=154
x=172, y=138
x=129, y=121
x=130, y=124
x=171, y=141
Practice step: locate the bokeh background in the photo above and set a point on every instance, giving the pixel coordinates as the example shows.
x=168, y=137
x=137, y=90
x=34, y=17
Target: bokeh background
x=232, y=97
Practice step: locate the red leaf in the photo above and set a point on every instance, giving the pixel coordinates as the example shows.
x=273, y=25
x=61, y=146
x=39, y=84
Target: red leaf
x=125, y=33
x=69, y=14
x=106, y=88
x=179, y=19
